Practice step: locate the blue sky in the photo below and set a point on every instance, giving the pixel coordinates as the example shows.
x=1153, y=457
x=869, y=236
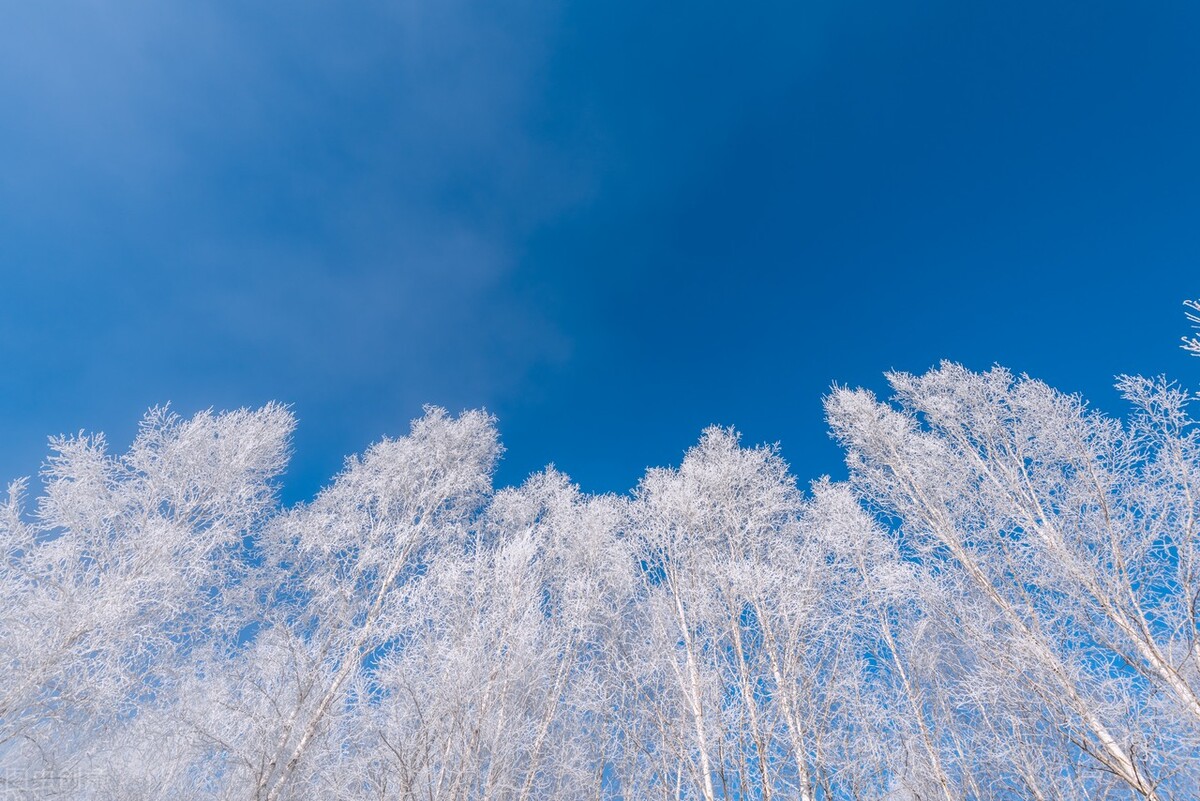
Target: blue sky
x=611, y=224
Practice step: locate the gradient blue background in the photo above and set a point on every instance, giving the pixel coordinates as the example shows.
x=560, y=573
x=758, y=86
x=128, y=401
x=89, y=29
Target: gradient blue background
x=612, y=223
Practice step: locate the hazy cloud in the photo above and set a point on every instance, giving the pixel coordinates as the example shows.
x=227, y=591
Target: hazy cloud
x=293, y=199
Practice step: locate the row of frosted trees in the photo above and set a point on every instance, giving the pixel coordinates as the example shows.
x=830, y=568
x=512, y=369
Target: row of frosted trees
x=1001, y=602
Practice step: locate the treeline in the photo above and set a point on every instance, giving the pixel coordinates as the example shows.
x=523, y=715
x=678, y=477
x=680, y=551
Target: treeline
x=1001, y=602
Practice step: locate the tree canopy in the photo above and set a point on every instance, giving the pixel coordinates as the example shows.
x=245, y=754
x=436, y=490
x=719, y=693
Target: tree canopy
x=1000, y=602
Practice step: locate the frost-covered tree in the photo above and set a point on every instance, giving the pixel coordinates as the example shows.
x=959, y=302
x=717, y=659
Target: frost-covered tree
x=128, y=566
x=1076, y=531
x=1000, y=603
x=346, y=579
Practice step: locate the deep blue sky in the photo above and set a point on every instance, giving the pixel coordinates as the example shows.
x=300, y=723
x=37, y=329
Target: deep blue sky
x=611, y=223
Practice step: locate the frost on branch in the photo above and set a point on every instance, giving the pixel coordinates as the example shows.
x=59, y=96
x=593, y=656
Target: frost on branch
x=1192, y=344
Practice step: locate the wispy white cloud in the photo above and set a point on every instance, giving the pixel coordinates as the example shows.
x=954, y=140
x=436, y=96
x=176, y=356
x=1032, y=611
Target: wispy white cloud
x=323, y=203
